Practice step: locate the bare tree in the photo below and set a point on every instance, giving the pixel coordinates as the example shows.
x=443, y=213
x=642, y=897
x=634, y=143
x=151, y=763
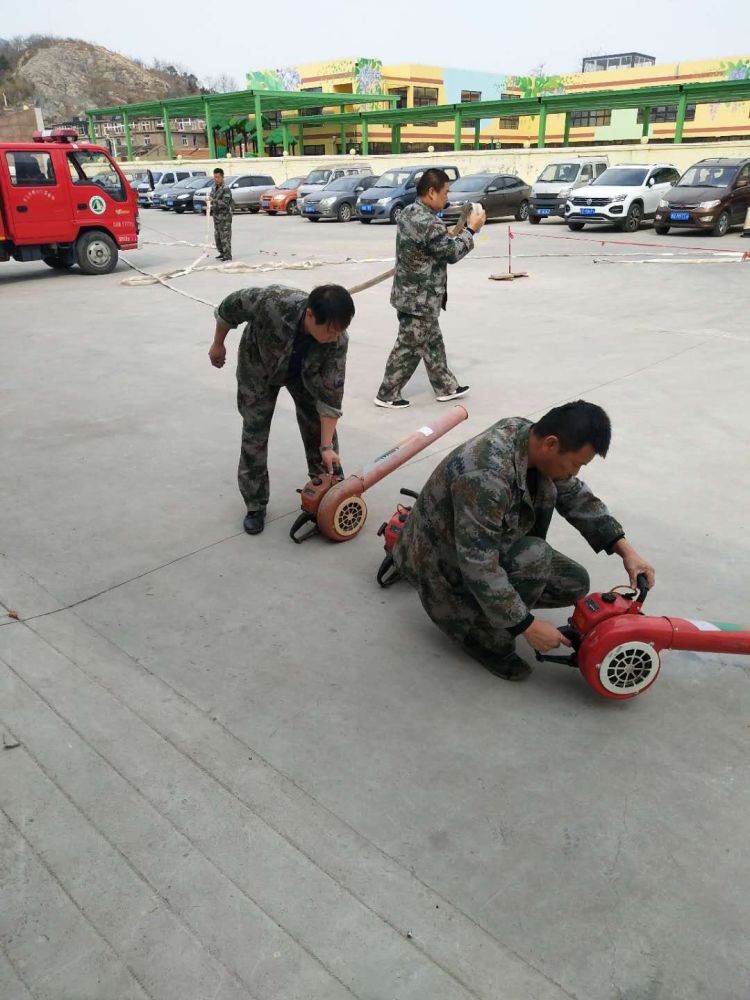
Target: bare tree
x=221, y=84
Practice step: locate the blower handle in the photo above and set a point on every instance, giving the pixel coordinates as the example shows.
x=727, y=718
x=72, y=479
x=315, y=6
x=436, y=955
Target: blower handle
x=643, y=587
x=409, y=493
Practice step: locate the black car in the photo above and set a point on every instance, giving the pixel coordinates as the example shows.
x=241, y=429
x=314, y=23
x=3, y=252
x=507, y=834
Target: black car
x=337, y=199
x=500, y=195
x=180, y=197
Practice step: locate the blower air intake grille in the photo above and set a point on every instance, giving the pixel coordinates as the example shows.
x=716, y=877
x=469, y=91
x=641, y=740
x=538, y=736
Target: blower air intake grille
x=629, y=669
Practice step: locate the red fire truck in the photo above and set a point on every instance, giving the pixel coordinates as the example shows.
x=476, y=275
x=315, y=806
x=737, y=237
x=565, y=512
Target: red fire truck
x=64, y=202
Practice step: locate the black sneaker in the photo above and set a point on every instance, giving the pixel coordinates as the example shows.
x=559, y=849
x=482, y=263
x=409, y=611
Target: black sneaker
x=391, y=404
x=219, y=256
x=508, y=666
x=461, y=390
x=254, y=522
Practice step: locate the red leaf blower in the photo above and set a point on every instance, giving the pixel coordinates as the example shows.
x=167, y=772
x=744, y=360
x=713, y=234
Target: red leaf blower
x=335, y=506
x=616, y=647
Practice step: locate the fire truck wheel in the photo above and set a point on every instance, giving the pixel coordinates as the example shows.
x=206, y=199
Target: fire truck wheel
x=58, y=262
x=96, y=253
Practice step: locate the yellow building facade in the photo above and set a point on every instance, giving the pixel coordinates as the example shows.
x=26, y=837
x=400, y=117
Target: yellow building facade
x=423, y=86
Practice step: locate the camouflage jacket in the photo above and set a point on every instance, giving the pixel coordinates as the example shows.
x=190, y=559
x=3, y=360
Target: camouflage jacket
x=221, y=200
x=477, y=504
x=423, y=251
x=273, y=315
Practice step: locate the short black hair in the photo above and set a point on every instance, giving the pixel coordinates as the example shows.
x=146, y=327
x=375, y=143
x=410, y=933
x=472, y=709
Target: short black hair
x=331, y=304
x=576, y=425
x=218, y=170
x=432, y=178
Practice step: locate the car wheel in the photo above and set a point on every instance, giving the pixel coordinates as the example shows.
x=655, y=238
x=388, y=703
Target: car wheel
x=534, y=220
x=576, y=227
x=254, y=211
x=291, y=208
x=722, y=225
x=661, y=230
x=179, y=211
x=58, y=261
x=632, y=221
x=523, y=211
x=345, y=212
x=365, y=222
x=396, y=213
x=310, y=219
x=96, y=252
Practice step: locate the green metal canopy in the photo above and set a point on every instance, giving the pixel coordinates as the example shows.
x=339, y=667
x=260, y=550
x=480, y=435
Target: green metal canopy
x=717, y=92
x=258, y=102
x=238, y=102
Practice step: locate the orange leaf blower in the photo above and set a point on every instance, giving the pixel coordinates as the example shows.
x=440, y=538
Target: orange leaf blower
x=334, y=505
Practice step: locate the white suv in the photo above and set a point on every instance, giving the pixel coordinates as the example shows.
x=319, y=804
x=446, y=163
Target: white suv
x=623, y=195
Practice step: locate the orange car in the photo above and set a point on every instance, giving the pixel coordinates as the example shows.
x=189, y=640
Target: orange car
x=281, y=199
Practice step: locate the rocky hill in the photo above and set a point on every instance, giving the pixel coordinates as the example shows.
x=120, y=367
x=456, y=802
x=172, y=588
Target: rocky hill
x=65, y=76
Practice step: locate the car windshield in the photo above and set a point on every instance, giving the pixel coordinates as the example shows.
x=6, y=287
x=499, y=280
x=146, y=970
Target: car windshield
x=707, y=177
x=560, y=173
x=317, y=177
x=476, y=183
x=621, y=177
x=194, y=183
x=394, y=178
x=292, y=184
x=343, y=184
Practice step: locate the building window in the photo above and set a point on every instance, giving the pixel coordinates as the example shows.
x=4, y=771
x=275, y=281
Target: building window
x=311, y=111
x=273, y=118
x=667, y=113
x=619, y=60
x=402, y=93
x=582, y=119
x=318, y=149
x=425, y=97
x=147, y=140
x=470, y=97
x=184, y=140
x=511, y=122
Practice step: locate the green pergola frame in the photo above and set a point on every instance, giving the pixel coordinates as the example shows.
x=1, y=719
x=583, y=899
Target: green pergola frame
x=259, y=101
x=718, y=92
x=238, y=102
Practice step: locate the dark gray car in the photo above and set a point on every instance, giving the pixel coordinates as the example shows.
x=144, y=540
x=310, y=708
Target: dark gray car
x=337, y=200
x=500, y=195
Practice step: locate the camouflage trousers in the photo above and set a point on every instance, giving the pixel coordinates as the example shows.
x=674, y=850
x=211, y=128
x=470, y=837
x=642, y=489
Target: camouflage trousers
x=223, y=234
x=543, y=577
x=256, y=401
x=419, y=339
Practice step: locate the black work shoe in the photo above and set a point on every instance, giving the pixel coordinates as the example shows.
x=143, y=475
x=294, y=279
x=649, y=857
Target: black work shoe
x=461, y=390
x=509, y=666
x=391, y=404
x=254, y=522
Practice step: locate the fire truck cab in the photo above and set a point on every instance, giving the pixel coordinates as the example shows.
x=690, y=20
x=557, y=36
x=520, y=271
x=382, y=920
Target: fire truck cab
x=65, y=202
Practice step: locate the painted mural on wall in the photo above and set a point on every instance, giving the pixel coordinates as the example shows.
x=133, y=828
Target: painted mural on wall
x=275, y=79
x=366, y=75
x=537, y=86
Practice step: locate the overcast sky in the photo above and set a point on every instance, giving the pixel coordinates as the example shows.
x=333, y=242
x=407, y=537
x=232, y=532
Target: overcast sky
x=234, y=37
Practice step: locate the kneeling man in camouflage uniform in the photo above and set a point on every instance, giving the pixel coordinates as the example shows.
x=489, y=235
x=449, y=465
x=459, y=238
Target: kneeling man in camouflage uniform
x=423, y=251
x=474, y=544
x=292, y=339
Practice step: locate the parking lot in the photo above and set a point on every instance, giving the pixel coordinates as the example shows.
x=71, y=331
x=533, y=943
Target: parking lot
x=246, y=771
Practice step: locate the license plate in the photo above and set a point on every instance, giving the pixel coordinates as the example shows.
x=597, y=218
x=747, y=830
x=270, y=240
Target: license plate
x=679, y=216
x=543, y=211
x=365, y=208
x=588, y=211
x=170, y=201
x=265, y=204
x=310, y=208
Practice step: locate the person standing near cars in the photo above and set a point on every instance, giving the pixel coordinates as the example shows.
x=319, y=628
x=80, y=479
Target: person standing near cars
x=423, y=251
x=221, y=209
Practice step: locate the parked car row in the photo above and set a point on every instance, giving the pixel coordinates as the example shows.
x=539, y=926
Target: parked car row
x=714, y=194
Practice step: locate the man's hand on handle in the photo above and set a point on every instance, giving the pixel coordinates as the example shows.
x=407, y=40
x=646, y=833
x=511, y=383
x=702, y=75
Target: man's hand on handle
x=543, y=637
x=330, y=459
x=634, y=564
